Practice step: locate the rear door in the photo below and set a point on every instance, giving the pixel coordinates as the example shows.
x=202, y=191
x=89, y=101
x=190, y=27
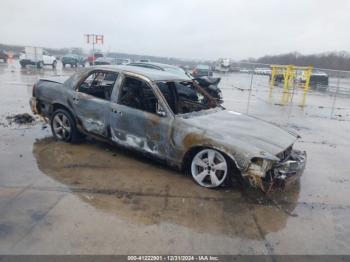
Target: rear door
x=91, y=101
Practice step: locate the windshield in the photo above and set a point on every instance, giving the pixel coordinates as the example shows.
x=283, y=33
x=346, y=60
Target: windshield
x=184, y=96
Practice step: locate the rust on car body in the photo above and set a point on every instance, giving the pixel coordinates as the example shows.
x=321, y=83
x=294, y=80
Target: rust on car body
x=174, y=118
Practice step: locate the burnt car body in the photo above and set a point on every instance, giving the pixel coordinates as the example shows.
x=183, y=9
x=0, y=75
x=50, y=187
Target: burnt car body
x=141, y=109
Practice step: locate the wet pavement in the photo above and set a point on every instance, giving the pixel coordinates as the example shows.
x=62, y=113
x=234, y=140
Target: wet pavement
x=92, y=198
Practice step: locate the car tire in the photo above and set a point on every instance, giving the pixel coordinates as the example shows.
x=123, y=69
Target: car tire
x=64, y=65
x=210, y=168
x=63, y=126
x=54, y=64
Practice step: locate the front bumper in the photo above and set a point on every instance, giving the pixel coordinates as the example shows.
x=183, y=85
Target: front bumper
x=280, y=175
x=289, y=171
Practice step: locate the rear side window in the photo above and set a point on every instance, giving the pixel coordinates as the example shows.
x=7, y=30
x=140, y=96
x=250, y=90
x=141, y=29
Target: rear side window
x=99, y=84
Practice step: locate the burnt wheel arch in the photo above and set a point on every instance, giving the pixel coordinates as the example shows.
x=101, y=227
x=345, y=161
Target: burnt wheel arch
x=57, y=106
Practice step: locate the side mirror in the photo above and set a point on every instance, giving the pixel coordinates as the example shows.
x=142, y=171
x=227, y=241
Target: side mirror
x=160, y=111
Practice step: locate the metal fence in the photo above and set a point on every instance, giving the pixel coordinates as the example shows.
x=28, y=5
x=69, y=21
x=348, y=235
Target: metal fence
x=247, y=88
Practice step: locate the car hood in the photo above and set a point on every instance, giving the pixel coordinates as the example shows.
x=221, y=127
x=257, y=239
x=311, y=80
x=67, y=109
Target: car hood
x=245, y=132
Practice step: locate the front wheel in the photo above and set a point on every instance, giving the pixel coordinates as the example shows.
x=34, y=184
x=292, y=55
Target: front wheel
x=63, y=126
x=209, y=168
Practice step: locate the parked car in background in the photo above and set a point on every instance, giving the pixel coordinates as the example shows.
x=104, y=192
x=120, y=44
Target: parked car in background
x=222, y=65
x=92, y=58
x=38, y=57
x=144, y=60
x=3, y=56
x=163, y=67
x=210, y=85
x=319, y=80
x=73, y=60
x=112, y=61
x=143, y=110
x=123, y=61
x=202, y=70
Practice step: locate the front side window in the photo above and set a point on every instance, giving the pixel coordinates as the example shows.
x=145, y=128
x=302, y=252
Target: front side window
x=183, y=97
x=99, y=84
x=138, y=94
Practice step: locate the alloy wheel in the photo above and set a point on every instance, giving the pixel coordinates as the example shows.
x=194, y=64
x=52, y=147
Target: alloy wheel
x=61, y=126
x=209, y=168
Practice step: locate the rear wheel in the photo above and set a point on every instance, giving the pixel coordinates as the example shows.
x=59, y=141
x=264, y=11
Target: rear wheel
x=63, y=126
x=210, y=168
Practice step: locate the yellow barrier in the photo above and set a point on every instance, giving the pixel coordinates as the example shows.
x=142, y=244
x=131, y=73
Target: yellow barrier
x=289, y=75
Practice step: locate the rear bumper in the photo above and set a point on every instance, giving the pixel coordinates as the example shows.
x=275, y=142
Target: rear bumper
x=290, y=171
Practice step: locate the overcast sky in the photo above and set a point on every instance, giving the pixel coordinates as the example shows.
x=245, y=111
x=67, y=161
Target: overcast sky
x=181, y=28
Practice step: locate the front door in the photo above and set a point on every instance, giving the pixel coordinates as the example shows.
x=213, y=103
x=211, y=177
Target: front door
x=138, y=120
x=91, y=101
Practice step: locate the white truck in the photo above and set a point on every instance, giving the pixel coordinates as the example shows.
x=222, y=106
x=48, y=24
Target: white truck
x=222, y=65
x=36, y=56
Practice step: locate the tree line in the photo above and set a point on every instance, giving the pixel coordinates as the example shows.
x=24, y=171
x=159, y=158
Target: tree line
x=330, y=60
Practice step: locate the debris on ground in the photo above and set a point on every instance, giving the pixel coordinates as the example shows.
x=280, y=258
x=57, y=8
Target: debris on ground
x=20, y=119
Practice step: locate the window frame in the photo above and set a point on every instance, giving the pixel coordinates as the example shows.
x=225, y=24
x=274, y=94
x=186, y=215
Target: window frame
x=89, y=73
x=154, y=88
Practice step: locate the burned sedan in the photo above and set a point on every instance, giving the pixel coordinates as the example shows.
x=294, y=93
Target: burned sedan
x=169, y=118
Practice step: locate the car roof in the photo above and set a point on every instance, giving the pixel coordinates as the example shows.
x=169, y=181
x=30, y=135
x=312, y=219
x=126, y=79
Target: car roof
x=151, y=74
